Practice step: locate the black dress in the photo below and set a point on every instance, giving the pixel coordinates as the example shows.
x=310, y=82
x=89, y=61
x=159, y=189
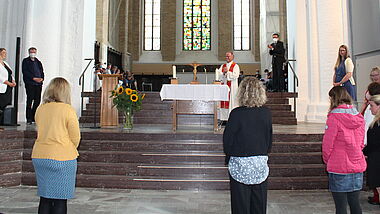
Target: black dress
x=6, y=98
x=372, y=151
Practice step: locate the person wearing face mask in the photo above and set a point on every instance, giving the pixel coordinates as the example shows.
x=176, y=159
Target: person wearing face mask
x=277, y=50
x=7, y=82
x=33, y=76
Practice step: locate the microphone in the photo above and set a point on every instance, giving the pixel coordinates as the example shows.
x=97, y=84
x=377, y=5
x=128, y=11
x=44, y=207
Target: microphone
x=88, y=58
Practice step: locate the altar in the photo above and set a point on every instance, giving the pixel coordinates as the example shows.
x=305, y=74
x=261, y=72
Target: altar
x=198, y=99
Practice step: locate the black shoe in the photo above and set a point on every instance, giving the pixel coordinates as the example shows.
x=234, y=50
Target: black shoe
x=29, y=122
x=373, y=202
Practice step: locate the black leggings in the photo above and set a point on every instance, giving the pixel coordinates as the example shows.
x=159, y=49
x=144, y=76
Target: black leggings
x=341, y=200
x=56, y=206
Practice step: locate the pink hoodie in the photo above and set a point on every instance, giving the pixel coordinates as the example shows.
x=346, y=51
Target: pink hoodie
x=343, y=141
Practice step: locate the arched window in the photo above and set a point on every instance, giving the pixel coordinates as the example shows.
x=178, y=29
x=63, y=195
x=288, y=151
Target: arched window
x=242, y=17
x=196, y=25
x=152, y=24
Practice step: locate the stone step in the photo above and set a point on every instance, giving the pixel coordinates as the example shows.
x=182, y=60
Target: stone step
x=11, y=155
x=116, y=135
x=157, y=94
x=10, y=179
x=181, y=145
x=184, y=183
x=167, y=106
x=184, y=120
x=168, y=113
x=195, y=157
x=178, y=170
x=155, y=100
x=8, y=167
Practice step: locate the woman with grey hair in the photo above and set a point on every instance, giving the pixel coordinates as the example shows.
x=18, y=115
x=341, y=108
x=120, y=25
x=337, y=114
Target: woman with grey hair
x=247, y=140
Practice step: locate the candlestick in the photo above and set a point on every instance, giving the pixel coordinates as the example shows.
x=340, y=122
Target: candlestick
x=174, y=72
x=216, y=74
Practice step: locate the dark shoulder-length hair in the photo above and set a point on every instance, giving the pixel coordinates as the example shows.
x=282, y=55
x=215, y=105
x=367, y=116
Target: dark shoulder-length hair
x=251, y=93
x=338, y=96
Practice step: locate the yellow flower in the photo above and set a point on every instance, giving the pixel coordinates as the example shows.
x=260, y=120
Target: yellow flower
x=143, y=96
x=134, y=98
x=128, y=91
x=120, y=90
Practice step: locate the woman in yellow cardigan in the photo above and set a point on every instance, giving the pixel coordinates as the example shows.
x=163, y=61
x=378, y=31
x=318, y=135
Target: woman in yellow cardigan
x=55, y=152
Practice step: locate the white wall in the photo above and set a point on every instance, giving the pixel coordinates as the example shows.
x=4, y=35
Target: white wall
x=63, y=31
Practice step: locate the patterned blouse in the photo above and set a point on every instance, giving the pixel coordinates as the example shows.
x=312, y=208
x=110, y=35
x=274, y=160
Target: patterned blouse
x=249, y=170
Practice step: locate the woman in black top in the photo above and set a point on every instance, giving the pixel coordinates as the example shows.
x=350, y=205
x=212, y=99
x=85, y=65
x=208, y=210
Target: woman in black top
x=7, y=83
x=247, y=140
x=372, y=149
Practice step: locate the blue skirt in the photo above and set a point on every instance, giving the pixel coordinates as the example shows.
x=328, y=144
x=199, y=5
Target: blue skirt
x=345, y=182
x=55, y=179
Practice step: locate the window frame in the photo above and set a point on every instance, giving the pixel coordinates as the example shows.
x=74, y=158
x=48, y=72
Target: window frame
x=241, y=26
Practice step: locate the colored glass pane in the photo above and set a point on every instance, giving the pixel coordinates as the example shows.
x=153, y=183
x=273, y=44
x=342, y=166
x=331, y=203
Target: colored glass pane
x=187, y=21
x=187, y=32
x=197, y=2
x=196, y=44
x=206, y=2
x=197, y=11
x=187, y=11
x=206, y=44
x=187, y=2
x=197, y=22
x=187, y=43
x=206, y=32
x=206, y=11
x=206, y=22
x=197, y=32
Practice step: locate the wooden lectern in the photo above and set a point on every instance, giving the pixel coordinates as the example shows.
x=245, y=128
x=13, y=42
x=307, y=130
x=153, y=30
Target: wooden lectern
x=109, y=116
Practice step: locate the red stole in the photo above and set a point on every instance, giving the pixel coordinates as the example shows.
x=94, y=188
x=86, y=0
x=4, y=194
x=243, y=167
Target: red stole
x=226, y=104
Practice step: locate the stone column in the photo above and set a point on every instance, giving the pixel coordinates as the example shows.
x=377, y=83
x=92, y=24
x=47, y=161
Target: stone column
x=315, y=32
x=225, y=28
x=102, y=16
x=134, y=26
x=123, y=35
x=168, y=29
x=256, y=36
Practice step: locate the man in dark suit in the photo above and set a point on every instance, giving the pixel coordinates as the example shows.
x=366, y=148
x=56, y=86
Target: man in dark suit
x=277, y=50
x=33, y=75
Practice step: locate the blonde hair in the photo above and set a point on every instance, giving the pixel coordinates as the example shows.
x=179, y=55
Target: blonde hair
x=338, y=96
x=58, y=90
x=376, y=119
x=339, y=59
x=251, y=93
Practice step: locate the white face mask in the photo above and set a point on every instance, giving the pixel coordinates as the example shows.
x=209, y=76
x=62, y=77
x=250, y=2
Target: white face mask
x=32, y=55
x=275, y=40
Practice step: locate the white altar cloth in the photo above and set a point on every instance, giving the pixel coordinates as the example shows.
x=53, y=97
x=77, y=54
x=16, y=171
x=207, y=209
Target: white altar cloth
x=209, y=92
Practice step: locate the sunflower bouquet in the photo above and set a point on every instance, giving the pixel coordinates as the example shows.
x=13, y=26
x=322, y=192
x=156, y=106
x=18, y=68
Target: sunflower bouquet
x=127, y=101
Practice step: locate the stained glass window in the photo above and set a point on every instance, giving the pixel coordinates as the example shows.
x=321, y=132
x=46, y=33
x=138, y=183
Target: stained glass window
x=242, y=16
x=196, y=25
x=152, y=25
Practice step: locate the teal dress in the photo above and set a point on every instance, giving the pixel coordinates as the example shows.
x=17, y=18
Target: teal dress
x=340, y=72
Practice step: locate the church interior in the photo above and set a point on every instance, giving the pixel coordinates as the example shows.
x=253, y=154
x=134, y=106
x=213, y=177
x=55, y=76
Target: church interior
x=172, y=160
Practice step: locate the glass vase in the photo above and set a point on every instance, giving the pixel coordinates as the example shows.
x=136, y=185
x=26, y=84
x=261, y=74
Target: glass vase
x=128, y=120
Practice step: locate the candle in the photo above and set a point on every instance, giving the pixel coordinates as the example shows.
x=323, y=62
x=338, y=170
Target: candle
x=174, y=72
x=217, y=74
x=183, y=70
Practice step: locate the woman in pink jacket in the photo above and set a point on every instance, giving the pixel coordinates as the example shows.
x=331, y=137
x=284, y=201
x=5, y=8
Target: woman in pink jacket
x=342, y=151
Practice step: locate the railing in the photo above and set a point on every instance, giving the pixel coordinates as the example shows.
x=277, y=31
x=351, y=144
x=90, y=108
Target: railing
x=81, y=83
x=295, y=82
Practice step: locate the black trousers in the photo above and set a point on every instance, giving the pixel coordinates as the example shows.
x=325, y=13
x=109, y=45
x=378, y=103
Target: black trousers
x=341, y=200
x=278, y=77
x=248, y=199
x=52, y=206
x=33, y=99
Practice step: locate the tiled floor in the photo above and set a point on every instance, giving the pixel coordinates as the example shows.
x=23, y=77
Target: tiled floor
x=95, y=201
